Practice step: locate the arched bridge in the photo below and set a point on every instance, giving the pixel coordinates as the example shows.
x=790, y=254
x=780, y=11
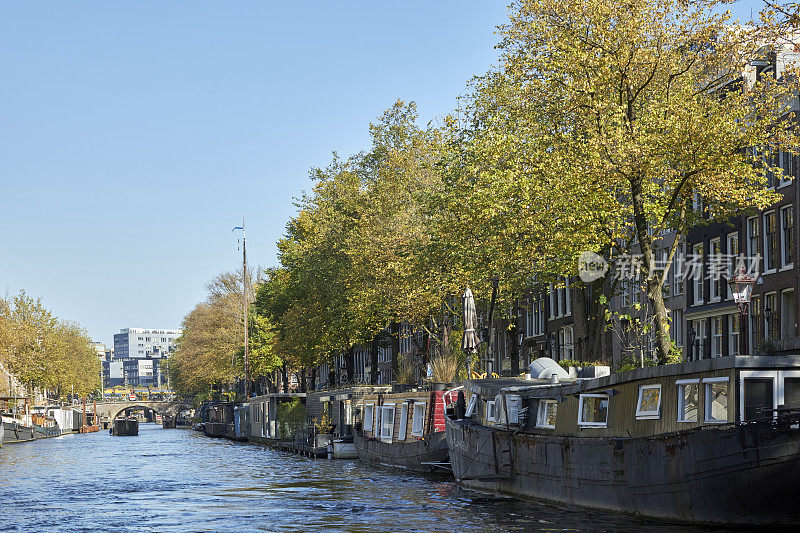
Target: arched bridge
x=112, y=409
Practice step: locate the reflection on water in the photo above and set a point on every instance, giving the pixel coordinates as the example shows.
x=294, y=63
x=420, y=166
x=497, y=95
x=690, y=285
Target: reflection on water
x=179, y=480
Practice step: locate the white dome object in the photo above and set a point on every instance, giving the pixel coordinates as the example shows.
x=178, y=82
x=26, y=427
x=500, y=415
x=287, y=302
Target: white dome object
x=545, y=368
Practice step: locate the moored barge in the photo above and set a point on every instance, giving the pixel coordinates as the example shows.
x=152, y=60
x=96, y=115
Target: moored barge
x=404, y=430
x=125, y=427
x=709, y=441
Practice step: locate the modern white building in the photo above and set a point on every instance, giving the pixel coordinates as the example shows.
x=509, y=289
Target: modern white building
x=139, y=343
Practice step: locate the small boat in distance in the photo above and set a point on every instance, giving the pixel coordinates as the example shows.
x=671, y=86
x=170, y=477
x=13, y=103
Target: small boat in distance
x=125, y=426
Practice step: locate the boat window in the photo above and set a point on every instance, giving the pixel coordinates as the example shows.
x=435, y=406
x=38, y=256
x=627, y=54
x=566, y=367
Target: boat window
x=791, y=392
x=758, y=397
x=513, y=404
x=688, y=400
x=546, y=416
x=473, y=400
x=401, y=432
x=387, y=422
x=491, y=414
x=716, y=398
x=369, y=416
x=593, y=410
x=649, y=405
x=418, y=420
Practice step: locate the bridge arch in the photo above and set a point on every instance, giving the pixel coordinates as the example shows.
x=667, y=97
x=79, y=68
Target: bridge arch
x=113, y=409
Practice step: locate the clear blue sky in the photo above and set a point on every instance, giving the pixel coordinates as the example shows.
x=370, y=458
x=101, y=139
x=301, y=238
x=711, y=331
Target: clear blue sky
x=135, y=135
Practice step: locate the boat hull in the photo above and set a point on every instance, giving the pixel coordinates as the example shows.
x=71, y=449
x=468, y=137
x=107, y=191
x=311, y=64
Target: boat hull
x=125, y=428
x=15, y=432
x=410, y=455
x=727, y=475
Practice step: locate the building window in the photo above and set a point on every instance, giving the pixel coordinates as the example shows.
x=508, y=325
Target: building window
x=565, y=343
x=770, y=312
x=733, y=253
x=546, y=416
x=678, y=269
x=716, y=336
x=787, y=314
x=699, y=348
x=649, y=405
x=716, y=399
x=770, y=242
x=752, y=237
x=715, y=266
x=593, y=410
x=786, y=162
x=697, y=273
x=688, y=400
x=676, y=329
x=787, y=236
x=754, y=309
x=733, y=334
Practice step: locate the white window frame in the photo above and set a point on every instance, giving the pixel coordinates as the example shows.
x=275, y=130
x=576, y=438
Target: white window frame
x=419, y=407
x=778, y=391
x=403, y=429
x=369, y=416
x=777, y=257
x=680, y=383
x=491, y=411
x=714, y=257
x=473, y=401
x=512, y=407
x=648, y=415
x=698, y=279
x=784, y=265
x=387, y=429
x=581, y=422
x=716, y=335
x=541, y=413
x=707, y=384
x=733, y=336
x=678, y=265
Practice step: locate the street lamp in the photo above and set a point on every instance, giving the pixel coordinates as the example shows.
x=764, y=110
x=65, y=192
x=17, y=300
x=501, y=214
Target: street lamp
x=692, y=337
x=742, y=289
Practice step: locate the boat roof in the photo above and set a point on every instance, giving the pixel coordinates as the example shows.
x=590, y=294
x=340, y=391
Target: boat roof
x=487, y=387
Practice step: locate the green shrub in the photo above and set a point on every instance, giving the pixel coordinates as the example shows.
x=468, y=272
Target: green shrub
x=291, y=418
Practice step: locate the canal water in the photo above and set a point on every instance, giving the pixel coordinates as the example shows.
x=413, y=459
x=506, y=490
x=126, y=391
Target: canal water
x=180, y=480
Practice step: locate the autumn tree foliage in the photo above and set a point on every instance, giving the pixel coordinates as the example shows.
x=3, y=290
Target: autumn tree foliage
x=210, y=350
x=44, y=352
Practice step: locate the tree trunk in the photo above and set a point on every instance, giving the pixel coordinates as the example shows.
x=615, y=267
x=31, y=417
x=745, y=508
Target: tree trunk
x=303, y=379
x=395, y=329
x=285, y=377
x=653, y=280
x=580, y=315
x=350, y=363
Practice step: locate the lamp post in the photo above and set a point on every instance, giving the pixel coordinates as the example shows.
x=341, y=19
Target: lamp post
x=742, y=289
x=692, y=336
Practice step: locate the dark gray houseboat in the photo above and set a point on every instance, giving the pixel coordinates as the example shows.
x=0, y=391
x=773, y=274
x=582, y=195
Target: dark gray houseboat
x=710, y=441
x=125, y=426
x=404, y=430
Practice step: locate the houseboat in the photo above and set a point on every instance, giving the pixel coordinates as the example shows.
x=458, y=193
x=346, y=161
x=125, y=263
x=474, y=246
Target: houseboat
x=125, y=426
x=404, y=429
x=709, y=441
x=337, y=409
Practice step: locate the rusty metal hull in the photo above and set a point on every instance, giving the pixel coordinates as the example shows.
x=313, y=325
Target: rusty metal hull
x=740, y=474
x=411, y=455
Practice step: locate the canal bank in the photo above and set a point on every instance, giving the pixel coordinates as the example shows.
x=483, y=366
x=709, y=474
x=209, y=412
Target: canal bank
x=178, y=480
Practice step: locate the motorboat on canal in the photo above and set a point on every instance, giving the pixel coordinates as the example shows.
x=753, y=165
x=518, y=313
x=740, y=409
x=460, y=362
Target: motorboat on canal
x=404, y=429
x=708, y=441
x=125, y=426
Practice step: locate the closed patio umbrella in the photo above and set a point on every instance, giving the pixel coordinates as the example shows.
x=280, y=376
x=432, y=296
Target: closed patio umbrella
x=469, y=343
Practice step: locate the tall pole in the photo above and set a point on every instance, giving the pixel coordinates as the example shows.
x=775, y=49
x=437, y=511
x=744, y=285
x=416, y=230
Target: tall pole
x=244, y=301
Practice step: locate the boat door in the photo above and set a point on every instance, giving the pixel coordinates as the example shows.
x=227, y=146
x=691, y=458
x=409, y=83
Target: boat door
x=761, y=391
